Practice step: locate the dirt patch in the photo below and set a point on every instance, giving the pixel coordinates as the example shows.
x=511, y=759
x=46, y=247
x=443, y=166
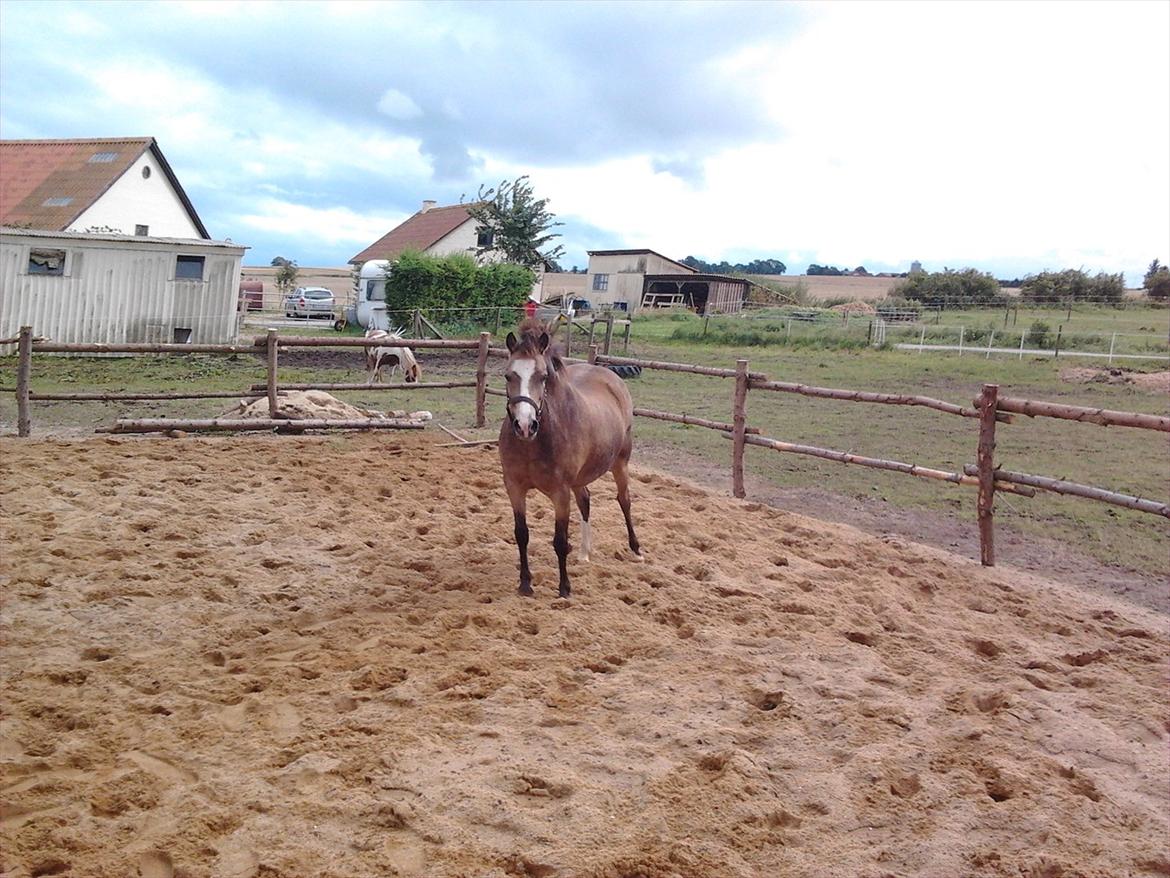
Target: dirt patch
x=217, y=664
x=854, y=308
x=299, y=405
x=1153, y=382
x=1045, y=557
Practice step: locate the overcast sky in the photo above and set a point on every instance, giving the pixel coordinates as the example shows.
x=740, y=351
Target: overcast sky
x=1011, y=137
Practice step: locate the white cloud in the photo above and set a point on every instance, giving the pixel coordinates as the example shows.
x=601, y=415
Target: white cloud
x=397, y=105
x=331, y=226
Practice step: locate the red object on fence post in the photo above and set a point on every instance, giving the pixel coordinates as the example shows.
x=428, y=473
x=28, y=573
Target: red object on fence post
x=271, y=342
x=739, y=427
x=23, y=374
x=481, y=379
x=985, y=462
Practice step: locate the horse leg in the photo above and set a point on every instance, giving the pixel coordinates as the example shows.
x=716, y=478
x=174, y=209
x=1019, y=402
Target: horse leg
x=582, y=495
x=519, y=500
x=561, y=538
x=621, y=475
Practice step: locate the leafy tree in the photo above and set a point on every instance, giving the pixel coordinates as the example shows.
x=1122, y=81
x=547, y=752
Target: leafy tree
x=519, y=223
x=831, y=270
x=278, y=261
x=1157, y=281
x=949, y=288
x=1072, y=285
x=286, y=276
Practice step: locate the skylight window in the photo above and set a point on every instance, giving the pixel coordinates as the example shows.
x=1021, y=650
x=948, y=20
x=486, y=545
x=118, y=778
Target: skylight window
x=57, y=202
x=102, y=157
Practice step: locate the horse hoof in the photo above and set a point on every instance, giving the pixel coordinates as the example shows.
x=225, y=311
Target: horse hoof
x=583, y=558
x=563, y=593
x=639, y=557
x=526, y=590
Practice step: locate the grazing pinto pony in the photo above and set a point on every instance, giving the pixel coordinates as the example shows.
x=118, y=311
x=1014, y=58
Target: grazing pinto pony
x=393, y=357
x=566, y=426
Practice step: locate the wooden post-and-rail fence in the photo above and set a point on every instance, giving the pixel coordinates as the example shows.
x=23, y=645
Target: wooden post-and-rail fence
x=989, y=409
x=269, y=345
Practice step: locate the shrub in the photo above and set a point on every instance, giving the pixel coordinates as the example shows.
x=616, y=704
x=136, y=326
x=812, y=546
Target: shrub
x=895, y=310
x=949, y=288
x=1072, y=284
x=1038, y=333
x=1157, y=281
x=421, y=281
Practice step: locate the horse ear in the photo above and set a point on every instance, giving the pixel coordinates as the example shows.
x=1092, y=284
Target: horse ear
x=543, y=342
x=510, y=341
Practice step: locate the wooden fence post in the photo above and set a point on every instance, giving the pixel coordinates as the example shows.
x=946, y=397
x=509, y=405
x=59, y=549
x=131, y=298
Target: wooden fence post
x=23, y=375
x=271, y=342
x=608, y=331
x=481, y=380
x=626, y=341
x=739, y=424
x=569, y=336
x=985, y=461
x=592, y=355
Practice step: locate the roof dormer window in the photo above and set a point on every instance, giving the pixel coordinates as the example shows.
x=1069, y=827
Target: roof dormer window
x=58, y=202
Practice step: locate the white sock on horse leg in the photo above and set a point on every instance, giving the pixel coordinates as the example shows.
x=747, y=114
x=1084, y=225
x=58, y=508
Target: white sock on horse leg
x=586, y=541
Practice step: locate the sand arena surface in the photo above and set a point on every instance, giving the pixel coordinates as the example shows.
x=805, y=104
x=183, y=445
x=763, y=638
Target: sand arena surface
x=275, y=656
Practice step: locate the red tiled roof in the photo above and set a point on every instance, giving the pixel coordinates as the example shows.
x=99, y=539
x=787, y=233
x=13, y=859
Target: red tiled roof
x=48, y=184
x=419, y=232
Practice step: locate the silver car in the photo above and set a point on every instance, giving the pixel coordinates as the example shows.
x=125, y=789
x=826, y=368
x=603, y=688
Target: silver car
x=309, y=302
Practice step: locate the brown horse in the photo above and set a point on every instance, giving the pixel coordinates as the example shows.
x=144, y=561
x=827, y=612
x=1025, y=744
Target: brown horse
x=566, y=426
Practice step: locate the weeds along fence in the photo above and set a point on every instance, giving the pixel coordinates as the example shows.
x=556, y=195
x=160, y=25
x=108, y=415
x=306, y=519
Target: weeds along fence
x=987, y=412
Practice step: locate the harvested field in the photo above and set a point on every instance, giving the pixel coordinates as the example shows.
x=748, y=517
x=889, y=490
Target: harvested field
x=305, y=656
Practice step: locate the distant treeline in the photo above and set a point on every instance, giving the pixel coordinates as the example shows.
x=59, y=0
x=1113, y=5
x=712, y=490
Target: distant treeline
x=756, y=266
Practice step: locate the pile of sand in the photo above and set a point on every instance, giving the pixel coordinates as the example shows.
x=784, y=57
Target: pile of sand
x=854, y=308
x=1158, y=382
x=300, y=405
x=217, y=665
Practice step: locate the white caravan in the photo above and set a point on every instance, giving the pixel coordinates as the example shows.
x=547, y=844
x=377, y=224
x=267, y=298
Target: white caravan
x=369, y=309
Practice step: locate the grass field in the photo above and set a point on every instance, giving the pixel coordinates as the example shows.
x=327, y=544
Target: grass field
x=1128, y=460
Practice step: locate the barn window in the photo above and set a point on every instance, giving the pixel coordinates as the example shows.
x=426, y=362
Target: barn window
x=102, y=158
x=141, y=230
x=189, y=268
x=601, y=281
x=485, y=238
x=57, y=202
x=182, y=335
x=50, y=262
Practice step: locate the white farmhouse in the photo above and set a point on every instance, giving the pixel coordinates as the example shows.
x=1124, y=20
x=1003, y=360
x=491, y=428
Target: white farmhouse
x=99, y=243
x=120, y=186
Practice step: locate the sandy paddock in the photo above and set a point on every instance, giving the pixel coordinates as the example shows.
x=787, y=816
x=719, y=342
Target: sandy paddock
x=277, y=656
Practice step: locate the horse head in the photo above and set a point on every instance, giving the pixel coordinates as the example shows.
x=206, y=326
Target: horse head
x=531, y=367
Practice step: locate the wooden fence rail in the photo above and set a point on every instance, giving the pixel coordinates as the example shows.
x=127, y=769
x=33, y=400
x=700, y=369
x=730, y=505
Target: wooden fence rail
x=1104, y=417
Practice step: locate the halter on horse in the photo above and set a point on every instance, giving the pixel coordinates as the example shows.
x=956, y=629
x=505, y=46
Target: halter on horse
x=566, y=426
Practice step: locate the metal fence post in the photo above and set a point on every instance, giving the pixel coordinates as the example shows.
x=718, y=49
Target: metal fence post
x=1112, y=343
x=23, y=376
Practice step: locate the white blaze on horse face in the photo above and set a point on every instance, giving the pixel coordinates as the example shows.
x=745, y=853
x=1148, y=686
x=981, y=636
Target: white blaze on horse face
x=524, y=412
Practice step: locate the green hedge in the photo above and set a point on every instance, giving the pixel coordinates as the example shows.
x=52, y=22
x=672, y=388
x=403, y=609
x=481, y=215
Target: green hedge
x=429, y=282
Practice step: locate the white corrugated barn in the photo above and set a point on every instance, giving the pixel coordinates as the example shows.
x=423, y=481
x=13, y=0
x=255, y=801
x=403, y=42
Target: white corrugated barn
x=104, y=288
